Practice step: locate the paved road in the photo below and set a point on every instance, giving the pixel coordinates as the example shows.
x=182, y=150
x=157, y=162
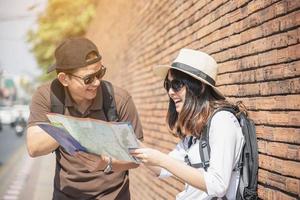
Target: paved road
x=22, y=177
x=9, y=143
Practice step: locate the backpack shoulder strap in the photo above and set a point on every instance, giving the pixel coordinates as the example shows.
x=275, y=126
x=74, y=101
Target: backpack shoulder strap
x=187, y=160
x=57, y=97
x=109, y=104
x=204, y=148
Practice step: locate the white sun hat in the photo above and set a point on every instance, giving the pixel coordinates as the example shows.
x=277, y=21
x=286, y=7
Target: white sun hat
x=197, y=64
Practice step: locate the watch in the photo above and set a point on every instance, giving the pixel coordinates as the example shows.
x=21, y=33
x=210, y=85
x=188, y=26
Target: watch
x=108, y=168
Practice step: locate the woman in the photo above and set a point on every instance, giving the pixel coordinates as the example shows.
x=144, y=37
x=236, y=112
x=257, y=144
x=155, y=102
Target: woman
x=190, y=84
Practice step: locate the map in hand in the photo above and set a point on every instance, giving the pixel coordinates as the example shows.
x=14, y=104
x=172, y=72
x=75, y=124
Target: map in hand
x=93, y=136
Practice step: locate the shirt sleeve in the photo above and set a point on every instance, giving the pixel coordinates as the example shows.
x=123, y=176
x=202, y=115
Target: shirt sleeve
x=226, y=142
x=178, y=153
x=40, y=105
x=128, y=113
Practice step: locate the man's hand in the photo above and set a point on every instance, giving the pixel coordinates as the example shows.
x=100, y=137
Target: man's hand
x=91, y=161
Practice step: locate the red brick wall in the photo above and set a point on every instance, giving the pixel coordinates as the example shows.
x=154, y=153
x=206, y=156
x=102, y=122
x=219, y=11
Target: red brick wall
x=256, y=44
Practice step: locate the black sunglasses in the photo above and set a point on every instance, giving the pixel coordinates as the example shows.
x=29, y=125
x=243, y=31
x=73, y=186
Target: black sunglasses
x=91, y=77
x=175, y=84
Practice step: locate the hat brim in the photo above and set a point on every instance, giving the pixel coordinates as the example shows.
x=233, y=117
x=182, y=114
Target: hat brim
x=162, y=71
x=51, y=68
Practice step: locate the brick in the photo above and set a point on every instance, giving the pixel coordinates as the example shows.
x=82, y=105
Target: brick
x=290, y=185
x=286, y=102
x=256, y=44
x=279, y=150
x=272, y=194
x=272, y=57
x=279, y=134
x=279, y=118
x=284, y=167
x=283, y=87
x=269, y=73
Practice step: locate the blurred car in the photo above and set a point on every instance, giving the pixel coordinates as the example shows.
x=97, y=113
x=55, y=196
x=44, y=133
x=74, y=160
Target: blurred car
x=9, y=114
x=6, y=115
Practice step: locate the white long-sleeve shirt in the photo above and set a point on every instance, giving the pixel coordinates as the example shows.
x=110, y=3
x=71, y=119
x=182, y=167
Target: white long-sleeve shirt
x=226, y=141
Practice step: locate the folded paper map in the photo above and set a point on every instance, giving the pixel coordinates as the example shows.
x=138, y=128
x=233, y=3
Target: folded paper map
x=93, y=136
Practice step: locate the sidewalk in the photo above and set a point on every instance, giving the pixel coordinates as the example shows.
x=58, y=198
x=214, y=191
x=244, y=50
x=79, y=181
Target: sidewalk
x=44, y=184
x=27, y=178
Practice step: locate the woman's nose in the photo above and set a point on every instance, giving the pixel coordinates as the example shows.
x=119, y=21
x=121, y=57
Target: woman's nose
x=171, y=92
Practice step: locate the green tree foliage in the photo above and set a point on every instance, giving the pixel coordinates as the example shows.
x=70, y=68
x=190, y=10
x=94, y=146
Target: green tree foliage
x=61, y=19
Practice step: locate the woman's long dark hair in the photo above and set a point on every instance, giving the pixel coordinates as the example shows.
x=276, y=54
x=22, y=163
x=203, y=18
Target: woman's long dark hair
x=200, y=102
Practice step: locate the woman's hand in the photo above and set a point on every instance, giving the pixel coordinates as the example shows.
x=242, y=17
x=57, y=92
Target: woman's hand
x=149, y=156
x=93, y=162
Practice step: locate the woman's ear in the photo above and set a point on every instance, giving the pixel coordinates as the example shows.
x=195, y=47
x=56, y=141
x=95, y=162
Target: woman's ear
x=63, y=79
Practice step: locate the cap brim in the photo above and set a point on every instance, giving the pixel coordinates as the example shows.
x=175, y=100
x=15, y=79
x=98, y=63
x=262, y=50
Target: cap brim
x=162, y=71
x=51, y=68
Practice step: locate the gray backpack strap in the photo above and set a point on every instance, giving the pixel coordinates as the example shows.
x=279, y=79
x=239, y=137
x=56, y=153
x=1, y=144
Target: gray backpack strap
x=57, y=97
x=197, y=165
x=109, y=104
x=204, y=151
x=215, y=198
x=204, y=148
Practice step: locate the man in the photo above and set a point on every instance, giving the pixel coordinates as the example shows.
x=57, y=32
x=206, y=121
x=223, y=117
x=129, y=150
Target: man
x=19, y=124
x=83, y=176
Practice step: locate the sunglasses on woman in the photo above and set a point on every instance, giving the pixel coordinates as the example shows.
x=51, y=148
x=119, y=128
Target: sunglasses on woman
x=175, y=84
x=91, y=77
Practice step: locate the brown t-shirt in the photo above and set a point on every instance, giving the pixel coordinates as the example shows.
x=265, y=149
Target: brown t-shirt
x=72, y=179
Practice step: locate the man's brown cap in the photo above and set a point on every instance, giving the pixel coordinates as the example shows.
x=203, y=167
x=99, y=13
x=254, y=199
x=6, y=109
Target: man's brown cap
x=72, y=53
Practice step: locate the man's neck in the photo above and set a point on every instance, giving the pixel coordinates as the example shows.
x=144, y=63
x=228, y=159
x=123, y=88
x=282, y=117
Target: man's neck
x=82, y=107
x=82, y=104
